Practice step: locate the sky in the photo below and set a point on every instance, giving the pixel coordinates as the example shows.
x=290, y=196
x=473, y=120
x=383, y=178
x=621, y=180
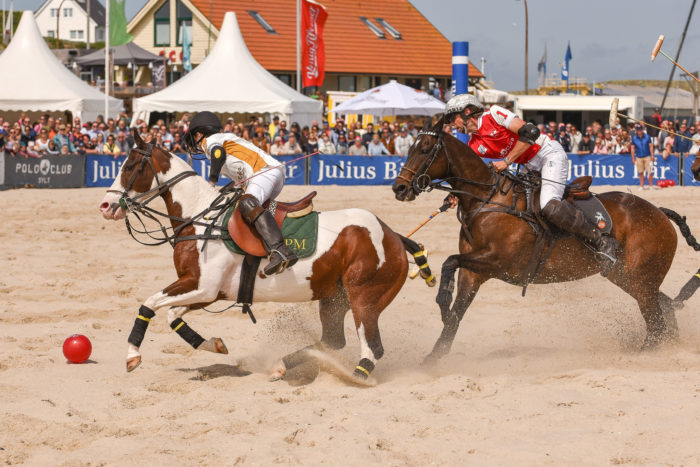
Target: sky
x=610, y=39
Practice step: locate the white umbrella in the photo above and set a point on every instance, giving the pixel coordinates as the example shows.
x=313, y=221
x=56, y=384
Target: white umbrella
x=391, y=99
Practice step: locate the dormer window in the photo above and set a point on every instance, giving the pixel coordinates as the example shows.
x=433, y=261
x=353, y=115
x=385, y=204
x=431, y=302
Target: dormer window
x=262, y=22
x=393, y=32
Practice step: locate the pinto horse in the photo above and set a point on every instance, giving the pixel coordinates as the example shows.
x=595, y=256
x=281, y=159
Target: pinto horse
x=359, y=262
x=500, y=244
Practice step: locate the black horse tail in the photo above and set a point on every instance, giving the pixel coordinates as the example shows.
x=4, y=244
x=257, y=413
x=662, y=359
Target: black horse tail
x=683, y=226
x=419, y=254
x=693, y=284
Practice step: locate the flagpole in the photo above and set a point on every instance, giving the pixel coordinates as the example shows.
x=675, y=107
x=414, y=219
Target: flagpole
x=4, y=7
x=299, y=45
x=12, y=19
x=107, y=70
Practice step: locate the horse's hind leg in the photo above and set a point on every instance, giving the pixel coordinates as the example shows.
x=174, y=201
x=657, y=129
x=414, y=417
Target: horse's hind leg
x=468, y=284
x=332, y=311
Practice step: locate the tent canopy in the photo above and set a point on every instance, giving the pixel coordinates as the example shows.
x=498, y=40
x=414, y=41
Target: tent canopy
x=229, y=80
x=392, y=98
x=34, y=80
x=123, y=55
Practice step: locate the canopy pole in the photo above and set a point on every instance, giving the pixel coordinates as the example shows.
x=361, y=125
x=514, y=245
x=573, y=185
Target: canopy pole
x=107, y=70
x=298, y=45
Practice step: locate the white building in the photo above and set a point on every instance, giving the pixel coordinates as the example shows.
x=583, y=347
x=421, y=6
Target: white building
x=72, y=20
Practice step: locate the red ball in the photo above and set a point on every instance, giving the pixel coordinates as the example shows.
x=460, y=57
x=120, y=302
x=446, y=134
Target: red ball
x=671, y=183
x=77, y=348
x=660, y=183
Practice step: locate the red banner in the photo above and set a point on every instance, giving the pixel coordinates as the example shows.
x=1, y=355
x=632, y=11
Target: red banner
x=313, y=55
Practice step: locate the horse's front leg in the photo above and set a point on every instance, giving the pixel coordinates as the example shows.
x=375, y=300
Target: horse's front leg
x=183, y=292
x=468, y=284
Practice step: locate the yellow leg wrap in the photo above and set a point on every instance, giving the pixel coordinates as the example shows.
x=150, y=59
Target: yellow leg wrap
x=179, y=326
x=697, y=275
x=430, y=279
x=358, y=367
x=141, y=317
x=425, y=266
x=420, y=253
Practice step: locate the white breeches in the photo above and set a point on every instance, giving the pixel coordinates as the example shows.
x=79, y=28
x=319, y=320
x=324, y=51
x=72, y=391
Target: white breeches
x=552, y=163
x=267, y=185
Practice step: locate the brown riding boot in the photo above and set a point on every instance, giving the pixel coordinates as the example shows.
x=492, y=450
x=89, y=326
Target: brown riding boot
x=281, y=256
x=569, y=219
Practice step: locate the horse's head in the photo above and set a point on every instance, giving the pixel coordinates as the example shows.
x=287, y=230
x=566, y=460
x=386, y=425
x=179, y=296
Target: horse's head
x=426, y=161
x=696, y=169
x=140, y=172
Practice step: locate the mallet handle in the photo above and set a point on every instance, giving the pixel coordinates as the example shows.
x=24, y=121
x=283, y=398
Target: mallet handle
x=679, y=66
x=442, y=208
x=654, y=126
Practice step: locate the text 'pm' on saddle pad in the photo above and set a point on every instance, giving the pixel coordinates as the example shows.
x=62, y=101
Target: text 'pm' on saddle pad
x=300, y=234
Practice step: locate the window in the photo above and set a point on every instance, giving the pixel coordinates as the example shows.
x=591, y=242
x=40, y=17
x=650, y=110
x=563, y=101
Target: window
x=184, y=20
x=373, y=27
x=80, y=34
x=347, y=83
x=393, y=32
x=67, y=12
x=100, y=34
x=73, y=34
x=51, y=33
x=162, y=26
x=363, y=83
x=53, y=12
x=285, y=78
x=261, y=21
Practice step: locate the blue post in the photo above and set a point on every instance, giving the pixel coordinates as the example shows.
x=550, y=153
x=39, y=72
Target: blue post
x=460, y=74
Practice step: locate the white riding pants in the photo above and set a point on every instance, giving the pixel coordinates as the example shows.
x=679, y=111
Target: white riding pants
x=267, y=185
x=552, y=163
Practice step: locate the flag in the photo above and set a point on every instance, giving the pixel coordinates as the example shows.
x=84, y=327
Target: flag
x=117, y=23
x=565, y=65
x=186, y=45
x=313, y=55
x=542, y=65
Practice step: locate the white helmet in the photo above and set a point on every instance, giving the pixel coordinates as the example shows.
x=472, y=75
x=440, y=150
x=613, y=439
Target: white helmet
x=461, y=102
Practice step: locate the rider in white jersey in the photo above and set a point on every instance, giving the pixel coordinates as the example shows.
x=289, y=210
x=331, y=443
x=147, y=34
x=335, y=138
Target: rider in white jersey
x=499, y=134
x=239, y=160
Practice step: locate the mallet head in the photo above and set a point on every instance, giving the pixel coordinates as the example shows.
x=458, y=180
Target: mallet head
x=657, y=47
x=612, y=120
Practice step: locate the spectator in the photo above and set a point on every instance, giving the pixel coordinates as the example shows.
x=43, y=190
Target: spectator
x=412, y=130
x=272, y=127
x=387, y=139
x=277, y=147
x=65, y=151
x=586, y=146
x=696, y=140
x=87, y=146
x=341, y=147
x=575, y=137
x=28, y=133
x=643, y=156
x=601, y=146
x=282, y=131
x=110, y=148
x=296, y=131
x=403, y=142
x=325, y=145
x=42, y=143
x=62, y=138
x=291, y=146
x=125, y=147
x=261, y=139
x=95, y=130
x=367, y=137
x=337, y=131
x=100, y=142
x=357, y=149
x=681, y=146
x=311, y=145
x=376, y=147
x=563, y=138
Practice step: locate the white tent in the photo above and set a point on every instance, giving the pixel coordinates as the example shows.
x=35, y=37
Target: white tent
x=391, y=98
x=33, y=79
x=229, y=80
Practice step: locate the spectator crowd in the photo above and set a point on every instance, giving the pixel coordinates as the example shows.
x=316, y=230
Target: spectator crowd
x=113, y=137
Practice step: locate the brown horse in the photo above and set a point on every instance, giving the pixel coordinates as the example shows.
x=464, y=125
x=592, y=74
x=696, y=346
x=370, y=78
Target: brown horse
x=359, y=262
x=496, y=244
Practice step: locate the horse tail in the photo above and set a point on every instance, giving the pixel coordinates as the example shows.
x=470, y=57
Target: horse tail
x=421, y=258
x=683, y=226
x=693, y=283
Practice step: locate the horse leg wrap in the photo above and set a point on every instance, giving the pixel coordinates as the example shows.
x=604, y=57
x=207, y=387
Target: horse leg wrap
x=187, y=333
x=296, y=358
x=363, y=369
x=140, y=325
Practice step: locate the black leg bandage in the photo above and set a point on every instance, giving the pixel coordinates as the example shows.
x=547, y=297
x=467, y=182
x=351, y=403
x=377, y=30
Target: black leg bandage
x=363, y=369
x=140, y=325
x=187, y=333
x=689, y=288
x=296, y=358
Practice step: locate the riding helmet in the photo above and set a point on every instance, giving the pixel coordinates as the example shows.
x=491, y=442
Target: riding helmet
x=204, y=122
x=463, y=103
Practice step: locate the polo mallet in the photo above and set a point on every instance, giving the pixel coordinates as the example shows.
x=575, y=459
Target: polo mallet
x=657, y=50
x=442, y=208
x=614, y=113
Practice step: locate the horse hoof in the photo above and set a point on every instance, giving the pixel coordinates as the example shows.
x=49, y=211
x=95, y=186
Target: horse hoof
x=430, y=360
x=277, y=374
x=133, y=363
x=219, y=346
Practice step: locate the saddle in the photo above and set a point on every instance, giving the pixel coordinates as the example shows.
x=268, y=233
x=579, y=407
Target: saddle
x=248, y=238
x=578, y=189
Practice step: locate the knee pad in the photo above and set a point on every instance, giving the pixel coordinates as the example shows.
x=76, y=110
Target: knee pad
x=250, y=208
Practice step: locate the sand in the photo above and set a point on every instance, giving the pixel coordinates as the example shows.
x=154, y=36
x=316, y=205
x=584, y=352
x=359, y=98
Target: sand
x=555, y=378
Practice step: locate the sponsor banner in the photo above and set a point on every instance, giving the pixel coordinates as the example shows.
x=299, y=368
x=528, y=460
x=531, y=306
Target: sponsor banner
x=688, y=179
x=618, y=169
x=45, y=172
x=100, y=170
x=313, y=56
x=354, y=170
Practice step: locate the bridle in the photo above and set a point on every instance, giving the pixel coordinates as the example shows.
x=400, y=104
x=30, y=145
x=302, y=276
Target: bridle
x=138, y=205
x=420, y=180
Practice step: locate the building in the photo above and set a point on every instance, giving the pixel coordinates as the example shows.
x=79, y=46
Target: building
x=576, y=109
x=72, y=21
x=367, y=43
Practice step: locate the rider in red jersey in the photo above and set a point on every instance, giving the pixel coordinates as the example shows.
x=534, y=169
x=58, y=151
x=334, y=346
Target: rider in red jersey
x=499, y=134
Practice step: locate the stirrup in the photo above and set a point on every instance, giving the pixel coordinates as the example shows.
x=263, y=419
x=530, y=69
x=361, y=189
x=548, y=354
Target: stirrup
x=278, y=268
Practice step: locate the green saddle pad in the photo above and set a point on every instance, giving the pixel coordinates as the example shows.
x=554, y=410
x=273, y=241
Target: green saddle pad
x=300, y=234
